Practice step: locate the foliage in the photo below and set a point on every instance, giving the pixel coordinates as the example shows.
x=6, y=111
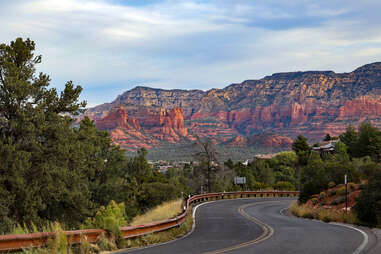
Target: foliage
x=50, y=171
x=368, y=204
x=326, y=215
x=302, y=149
x=284, y=186
x=163, y=211
x=109, y=218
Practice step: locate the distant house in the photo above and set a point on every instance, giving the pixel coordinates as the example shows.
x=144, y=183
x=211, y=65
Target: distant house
x=265, y=156
x=325, y=148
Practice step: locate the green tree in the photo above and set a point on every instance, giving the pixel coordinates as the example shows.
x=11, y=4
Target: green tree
x=369, y=141
x=349, y=138
x=368, y=204
x=49, y=170
x=302, y=149
x=313, y=178
x=327, y=137
x=300, y=144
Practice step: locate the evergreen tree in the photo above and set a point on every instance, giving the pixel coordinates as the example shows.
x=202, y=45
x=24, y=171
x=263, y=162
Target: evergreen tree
x=300, y=144
x=302, y=149
x=368, y=204
x=49, y=170
x=327, y=137
x=349, y=138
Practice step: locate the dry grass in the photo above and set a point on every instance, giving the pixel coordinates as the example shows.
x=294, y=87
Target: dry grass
x=162, y=212
x=159, y=237
x=324, y=214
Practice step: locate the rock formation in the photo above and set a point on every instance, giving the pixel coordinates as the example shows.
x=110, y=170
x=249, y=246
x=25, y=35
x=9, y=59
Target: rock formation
x=311, y=103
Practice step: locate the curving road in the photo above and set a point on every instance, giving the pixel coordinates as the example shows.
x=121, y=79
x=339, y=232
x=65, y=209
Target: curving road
x=258, y=226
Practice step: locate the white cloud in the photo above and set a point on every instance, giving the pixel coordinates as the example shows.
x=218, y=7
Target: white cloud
x=190, y=44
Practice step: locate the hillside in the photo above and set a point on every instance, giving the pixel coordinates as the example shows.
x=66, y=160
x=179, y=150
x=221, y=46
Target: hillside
x=311, y=103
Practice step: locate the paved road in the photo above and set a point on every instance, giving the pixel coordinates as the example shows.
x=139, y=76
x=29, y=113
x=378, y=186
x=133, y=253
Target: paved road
x=257, y=226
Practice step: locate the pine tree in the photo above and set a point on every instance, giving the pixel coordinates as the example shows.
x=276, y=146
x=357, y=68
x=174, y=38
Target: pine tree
x=49, y=170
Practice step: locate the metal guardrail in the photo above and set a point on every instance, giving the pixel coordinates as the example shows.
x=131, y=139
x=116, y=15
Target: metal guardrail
x=18, y=242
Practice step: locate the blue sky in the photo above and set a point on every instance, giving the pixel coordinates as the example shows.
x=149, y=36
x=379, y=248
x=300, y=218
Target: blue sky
x=108, y=47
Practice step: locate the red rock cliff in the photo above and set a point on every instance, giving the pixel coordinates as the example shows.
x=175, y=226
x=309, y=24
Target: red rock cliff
x=311, y=103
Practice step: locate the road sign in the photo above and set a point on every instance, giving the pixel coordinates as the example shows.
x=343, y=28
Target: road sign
x=239, y=180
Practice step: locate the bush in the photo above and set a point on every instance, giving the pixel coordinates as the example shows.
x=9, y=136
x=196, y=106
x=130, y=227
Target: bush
x=308, y=215
x=326, y=219
x=332, y=193
x=314, y=201
x=331, y=184
x=281, y=185
x=338, y=201
x=342, y=190
x=322, y=195
x=109, y=218
x=368, y=205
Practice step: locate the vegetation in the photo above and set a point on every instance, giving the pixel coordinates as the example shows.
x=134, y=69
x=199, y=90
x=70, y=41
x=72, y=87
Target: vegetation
x=53, y=169
x=164, y=211
x=59, y=173
x=358, y=155
x=368, y=206
x=326, y=215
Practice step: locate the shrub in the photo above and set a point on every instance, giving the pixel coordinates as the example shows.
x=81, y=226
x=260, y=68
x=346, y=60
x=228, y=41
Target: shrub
x=331, y=184
x=322, y=195
x=109, y=218
x=342, y=190
x=368, y=205
x=282, y=185
x=338, y=201
x=352, y=186
x=308, y=215
x=326, y=219
x=332, y=193
x=314, y=201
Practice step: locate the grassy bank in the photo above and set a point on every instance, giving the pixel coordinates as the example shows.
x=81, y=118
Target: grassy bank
x=162, y=212
x=321, y=213
x=160, y=237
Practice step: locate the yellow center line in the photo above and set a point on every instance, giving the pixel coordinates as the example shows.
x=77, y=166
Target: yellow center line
x=268, y=231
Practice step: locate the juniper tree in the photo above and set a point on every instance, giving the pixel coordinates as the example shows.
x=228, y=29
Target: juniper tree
x=49, y=170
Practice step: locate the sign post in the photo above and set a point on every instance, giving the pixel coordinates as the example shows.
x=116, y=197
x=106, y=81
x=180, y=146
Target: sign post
x=346, y=193
x=240, y=180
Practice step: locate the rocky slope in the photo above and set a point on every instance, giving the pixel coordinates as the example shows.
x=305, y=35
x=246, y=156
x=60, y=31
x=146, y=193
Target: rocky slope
x=311, y=103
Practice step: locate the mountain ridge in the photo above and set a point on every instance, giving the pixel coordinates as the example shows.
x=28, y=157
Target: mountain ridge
x=311, y=103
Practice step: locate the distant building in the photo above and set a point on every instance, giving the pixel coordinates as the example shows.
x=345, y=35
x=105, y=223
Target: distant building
x=325, y=148
x=265, y=156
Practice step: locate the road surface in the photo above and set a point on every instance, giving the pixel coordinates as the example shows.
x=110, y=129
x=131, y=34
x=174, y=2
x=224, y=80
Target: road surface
x=258, y=226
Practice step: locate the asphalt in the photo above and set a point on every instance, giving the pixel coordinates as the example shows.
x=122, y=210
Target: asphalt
x=258, y=226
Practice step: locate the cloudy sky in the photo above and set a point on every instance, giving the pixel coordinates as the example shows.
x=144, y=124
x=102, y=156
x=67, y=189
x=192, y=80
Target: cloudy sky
x=111, y=46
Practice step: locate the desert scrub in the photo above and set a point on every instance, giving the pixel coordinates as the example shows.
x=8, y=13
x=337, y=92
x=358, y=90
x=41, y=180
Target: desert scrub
x=164, y=211
x=331, y=184
x=324, y=214
x=109, y=218
x=338, y=201
x=159, y=237
x=342, y=191
x=55, y=245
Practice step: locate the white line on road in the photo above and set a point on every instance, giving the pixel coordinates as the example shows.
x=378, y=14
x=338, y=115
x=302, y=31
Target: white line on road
x=363, y=244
